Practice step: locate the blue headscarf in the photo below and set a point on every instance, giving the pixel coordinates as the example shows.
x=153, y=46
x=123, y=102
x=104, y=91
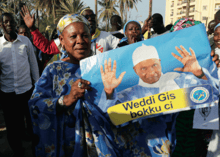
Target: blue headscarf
x=124, y=29
x=216, y=26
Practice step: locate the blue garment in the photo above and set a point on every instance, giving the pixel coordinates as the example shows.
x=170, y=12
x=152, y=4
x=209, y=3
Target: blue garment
x=82, y=131
x=153, y=136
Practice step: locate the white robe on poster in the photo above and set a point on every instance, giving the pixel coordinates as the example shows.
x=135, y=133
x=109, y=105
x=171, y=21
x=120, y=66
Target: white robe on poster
x=167, y=82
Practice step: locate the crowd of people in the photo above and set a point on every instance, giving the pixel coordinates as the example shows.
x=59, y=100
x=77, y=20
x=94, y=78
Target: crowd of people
x=40, y=80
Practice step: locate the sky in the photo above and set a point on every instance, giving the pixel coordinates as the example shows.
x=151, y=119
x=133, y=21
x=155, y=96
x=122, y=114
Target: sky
x=158, y=6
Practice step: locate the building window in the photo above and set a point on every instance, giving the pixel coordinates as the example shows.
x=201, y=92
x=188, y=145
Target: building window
x=172, y=3
x=217, y=6
x=204, y=18
x=204, y=7
x=171, y=13
x=191, y=17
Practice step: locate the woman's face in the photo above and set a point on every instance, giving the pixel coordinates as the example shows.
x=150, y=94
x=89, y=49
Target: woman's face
x=133, y=32
x=76, y=40
x=217, y=37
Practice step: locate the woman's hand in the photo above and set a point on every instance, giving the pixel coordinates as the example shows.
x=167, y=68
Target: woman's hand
x=109, y=79
x=77, y=91
x=28, y=19
x=215, y=58
x=189, y=61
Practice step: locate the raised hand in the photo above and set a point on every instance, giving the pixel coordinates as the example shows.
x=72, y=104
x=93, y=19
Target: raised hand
x=189, y=61
x=148, y=23
x=28, y=19
x=109, y=79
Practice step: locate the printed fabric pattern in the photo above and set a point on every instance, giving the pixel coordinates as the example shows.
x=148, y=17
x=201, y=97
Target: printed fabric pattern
x=82, y=131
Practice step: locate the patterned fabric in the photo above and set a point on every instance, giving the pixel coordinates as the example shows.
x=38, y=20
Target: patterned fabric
x=68, y=19
x=183, y=23
x=96, y=35
x=80, y=130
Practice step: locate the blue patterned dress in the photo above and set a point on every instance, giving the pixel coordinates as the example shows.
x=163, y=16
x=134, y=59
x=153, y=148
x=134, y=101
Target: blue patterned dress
x=82, y=131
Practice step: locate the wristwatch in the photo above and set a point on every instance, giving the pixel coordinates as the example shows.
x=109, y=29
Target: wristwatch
x=60, y=100
x=200, y=76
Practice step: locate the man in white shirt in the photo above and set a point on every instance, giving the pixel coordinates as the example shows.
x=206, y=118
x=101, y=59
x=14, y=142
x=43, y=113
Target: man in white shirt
x=116, y=24
x=19, y=71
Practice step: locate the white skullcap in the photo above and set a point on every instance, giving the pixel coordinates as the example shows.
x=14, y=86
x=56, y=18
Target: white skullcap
x=143, y=53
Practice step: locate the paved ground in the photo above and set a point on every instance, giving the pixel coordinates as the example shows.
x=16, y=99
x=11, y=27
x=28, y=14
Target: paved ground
x=5, y=150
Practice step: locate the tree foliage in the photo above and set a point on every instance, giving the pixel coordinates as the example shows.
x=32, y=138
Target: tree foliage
x=108, y=9
x=70, y=6
x=125, y=6
x=48, y=12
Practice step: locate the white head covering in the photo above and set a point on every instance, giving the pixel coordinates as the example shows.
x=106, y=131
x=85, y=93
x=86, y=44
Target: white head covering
x=144, y=52
x=166, y=81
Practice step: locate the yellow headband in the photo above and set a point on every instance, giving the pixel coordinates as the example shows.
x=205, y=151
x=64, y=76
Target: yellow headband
x=85, y=10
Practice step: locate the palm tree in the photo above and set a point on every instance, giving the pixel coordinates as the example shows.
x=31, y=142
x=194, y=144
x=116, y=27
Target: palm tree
x=70, y=6
x=125, y=5
x=108, y=9
x=47, y=6
x=8, y=6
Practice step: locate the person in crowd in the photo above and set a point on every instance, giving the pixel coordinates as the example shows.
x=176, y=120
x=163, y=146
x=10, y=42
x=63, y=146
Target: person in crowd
x=217, y=17
x=158, y=26
x=19, y=71
x=132, y=32
x=185, y=133
x=210, y=32
x=23, y=30
x=63, y=123
x=155, y=22
x=214, y=145
x=169, y=26
x=216, y=38
x=160, y=132
x=116, y=24
x=101, y=41
x=211, y=27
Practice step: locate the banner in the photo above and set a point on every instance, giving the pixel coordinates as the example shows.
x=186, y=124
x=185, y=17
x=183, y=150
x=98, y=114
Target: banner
x=161, y=72
x=167, y=102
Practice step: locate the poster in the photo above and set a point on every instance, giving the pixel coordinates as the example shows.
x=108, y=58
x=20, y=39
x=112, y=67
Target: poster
x=149, y=72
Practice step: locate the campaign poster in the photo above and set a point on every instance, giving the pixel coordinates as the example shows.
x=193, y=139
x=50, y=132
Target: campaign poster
x=166, y=74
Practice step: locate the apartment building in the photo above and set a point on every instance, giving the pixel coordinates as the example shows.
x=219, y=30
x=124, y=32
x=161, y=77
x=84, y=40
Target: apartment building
x=201, y=10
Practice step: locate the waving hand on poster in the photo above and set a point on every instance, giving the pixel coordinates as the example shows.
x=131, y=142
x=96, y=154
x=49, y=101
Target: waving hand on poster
x=190, y=62
x=109, y=79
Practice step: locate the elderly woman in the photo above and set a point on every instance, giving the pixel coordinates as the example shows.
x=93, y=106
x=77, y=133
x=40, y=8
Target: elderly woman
x=64, y=124
x=132, y=31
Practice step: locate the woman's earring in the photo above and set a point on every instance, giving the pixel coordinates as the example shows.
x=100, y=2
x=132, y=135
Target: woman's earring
x=63, y=47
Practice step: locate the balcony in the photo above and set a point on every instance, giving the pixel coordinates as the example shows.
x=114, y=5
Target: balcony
x=184, y=1
x=192, y=10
